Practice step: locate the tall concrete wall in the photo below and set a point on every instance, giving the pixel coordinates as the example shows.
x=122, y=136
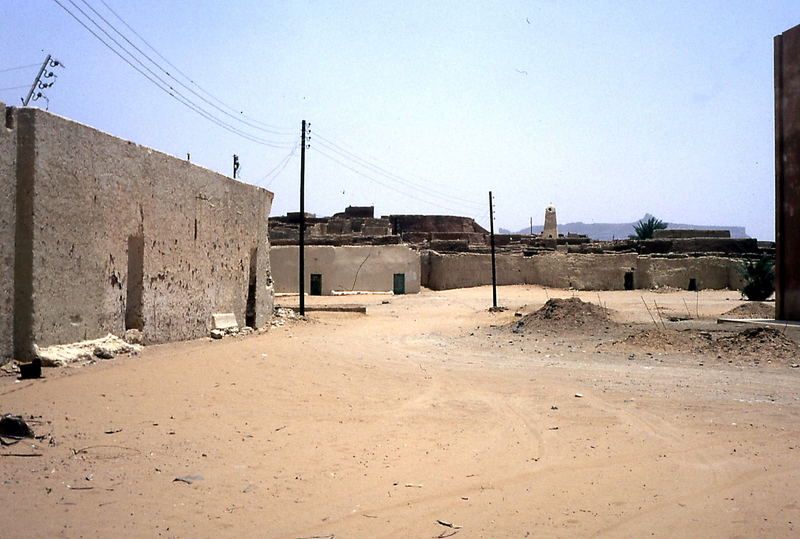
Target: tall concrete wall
x=121, y=235
x=580, y=271
x=347, y=268
x=8, y=193
x=787, y=174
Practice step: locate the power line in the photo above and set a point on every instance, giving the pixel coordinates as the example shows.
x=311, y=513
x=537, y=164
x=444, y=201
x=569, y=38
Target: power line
x=279, y=168
x=13, y=88
x=381, y=170
x=346, y=154
x=140, y=51
x=158, y=81
x=185, y=99
x=6, y=70
x=388, y=186
x=268, y=128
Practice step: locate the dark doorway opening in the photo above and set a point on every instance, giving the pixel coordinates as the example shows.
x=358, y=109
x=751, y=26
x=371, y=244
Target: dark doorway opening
x=692, y=285
x=250, y=307
x=316, y=284
x=628, y=280
x=399, y=284
x=135, y=285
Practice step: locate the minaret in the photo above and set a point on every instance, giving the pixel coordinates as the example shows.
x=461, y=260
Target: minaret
x=550, y=227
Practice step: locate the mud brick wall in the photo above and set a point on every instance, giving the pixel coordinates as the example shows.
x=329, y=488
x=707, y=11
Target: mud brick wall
x=710, y=272
x=345, y=268
x=579, y=271
x=122, y=236
x=8, y=193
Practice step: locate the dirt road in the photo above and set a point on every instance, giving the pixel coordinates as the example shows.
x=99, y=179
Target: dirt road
x=426, y=417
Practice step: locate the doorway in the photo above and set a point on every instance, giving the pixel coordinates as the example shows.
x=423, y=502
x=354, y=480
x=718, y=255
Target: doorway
x=250, y=307
x=316, y=284
x=628, y=280
x=399, y=283
x=135, y=284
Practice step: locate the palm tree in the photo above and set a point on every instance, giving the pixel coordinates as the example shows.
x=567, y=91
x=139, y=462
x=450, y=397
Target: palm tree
x=759, y=278
x=644, y=229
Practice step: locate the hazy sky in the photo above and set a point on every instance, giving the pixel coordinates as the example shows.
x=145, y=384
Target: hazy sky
x=607, y=109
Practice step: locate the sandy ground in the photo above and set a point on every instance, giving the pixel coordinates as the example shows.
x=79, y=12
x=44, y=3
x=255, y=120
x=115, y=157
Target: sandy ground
x=426, y=413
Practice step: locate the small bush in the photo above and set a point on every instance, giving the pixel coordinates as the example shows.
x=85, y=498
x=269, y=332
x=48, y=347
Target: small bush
x=759, y=278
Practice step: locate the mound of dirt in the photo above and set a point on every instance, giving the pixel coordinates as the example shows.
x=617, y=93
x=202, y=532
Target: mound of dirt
x=569, y=313
x=767, y=343
x=666, y=340
x=752, y=309
x=752, y=344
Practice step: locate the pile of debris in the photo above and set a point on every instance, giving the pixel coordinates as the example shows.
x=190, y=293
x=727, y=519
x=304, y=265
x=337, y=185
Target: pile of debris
x=225, y=324
x=282, y=316
x=103, y=348
x=569, y=313
x=759, y=310
x=758, y=342
x=687, y=341
x=755, y=344
x=235, y=331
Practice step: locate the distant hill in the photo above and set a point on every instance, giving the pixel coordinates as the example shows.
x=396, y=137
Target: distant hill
x=610, y=231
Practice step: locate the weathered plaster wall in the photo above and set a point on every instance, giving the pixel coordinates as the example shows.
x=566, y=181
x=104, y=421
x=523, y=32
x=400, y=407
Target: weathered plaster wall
x=463, y=270
x=95, y=198
x=787, y=174
x=708, y=272
x=585, y=271
x=8, y=192
x=580, y=271
x=362, y=268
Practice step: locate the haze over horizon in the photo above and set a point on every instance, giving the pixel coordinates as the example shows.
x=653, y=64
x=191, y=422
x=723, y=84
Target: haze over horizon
x=606, y=109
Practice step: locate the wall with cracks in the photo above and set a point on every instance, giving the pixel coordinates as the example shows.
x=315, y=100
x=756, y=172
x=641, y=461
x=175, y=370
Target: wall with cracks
x=110, y=236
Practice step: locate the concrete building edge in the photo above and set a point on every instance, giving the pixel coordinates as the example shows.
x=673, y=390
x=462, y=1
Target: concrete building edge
x=780, y=310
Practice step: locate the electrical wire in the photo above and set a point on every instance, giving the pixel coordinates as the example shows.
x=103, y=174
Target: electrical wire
x=271, y=128
x=388, y=186
x=350, y=156
x=160, y=83
x=279, y=168
x=6, y=70
x=194, y=106
x=163, y=85
x=15, y=87
x=157, y=65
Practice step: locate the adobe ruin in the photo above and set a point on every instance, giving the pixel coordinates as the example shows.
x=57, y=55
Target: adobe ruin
x=453, y=252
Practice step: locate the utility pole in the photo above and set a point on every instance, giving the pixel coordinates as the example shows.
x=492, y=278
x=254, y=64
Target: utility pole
x=301, y=285
x=37, y=82
x=235, y=166
x=494, y=268
x=531, y=226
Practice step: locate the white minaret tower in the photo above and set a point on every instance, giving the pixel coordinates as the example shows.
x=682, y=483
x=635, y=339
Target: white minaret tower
x=550, y=230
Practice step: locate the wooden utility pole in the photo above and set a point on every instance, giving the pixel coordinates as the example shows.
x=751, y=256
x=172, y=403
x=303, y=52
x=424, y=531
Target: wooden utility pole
x=531, y=226
x=494, y=269
x=301, y=285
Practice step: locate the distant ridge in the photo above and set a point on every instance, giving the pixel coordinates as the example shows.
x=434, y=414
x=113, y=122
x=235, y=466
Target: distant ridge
x=610, y=231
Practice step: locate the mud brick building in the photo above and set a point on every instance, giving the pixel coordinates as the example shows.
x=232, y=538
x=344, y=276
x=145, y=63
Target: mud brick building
x=99, y=235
